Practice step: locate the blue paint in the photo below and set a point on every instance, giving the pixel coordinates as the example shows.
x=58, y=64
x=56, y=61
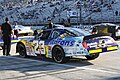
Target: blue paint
x=1, y=40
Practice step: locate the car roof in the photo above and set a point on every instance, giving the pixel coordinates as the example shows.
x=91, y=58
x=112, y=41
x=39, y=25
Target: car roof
x=58, y=26
x=104, y=24
x=54, y=26
x=70, y=29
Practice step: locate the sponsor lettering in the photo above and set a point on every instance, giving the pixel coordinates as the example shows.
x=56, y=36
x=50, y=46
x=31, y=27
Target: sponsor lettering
x=63, y=42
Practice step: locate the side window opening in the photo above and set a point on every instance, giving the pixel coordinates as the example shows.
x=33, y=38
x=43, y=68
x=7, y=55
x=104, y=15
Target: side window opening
x=68, y=34
x=43, y=35
x=55, y=34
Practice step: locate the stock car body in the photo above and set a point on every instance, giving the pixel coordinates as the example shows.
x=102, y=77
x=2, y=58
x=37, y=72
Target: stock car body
x=61, y=44
x=23, y=33
x=22, y=30
x=15, y=40
x=108, y=28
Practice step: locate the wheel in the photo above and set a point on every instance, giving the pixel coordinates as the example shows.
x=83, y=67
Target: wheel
x=92, y=56
x=58, y=55
x=22, y=50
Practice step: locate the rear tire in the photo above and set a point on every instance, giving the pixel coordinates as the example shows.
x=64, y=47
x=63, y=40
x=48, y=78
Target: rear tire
x=58, y=55
x=22, y=50
x=92, y=56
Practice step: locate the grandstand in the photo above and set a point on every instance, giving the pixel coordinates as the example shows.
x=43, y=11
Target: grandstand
x=36, y=12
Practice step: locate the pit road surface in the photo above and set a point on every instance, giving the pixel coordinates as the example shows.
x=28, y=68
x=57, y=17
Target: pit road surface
x=105, y=67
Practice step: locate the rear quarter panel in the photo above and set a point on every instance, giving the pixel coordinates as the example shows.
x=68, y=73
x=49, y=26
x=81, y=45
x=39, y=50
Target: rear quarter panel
x=72, y=46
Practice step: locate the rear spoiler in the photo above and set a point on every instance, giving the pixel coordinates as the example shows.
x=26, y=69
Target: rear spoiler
x=96, y=35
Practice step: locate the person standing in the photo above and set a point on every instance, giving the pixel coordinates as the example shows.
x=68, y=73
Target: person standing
x=6, y=31
x=94, y=30
x=35, y=33
x=50, y=24
x=15, y=31
x=116, y=13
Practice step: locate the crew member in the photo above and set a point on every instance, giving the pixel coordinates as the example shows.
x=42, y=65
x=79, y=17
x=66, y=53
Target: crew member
x=16, y=33
x=35, y=33
x=94, y=31
x=6, y=31
x=15, y=30
x=50, y=24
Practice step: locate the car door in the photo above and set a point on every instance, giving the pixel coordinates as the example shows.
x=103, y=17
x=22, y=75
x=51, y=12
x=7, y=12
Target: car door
x=40, y=41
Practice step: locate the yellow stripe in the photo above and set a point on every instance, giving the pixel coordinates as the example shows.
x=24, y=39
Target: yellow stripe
x=95, y=51
x=46, y=49
x=112, y=48
x=15, y=40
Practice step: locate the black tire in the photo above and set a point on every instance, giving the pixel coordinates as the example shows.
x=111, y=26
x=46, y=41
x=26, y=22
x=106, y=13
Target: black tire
x=22, y=50
x=92, y=56
x=58, y=55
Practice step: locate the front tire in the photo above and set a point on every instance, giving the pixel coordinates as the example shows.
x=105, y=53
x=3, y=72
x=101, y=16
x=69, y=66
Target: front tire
x=22, y=50
x=92, y=56
x=58, y=55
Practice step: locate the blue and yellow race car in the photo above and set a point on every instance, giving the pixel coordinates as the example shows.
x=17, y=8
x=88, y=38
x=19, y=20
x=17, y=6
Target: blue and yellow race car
x=61, y=44
x=13, y=40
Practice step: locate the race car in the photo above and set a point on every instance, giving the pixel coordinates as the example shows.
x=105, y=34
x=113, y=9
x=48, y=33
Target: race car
x=23, y=33
x=107, y=28
x=22, y=30
x=61, y=44
x=15, y=40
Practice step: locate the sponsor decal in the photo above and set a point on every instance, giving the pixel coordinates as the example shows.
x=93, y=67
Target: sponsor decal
x=30, y=49
x=39, y=47
x=112, y=48
x=63, y=42
x=46, y=51
x=95, y=51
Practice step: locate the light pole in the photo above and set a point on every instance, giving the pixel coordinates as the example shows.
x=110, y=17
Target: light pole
x=80, y=11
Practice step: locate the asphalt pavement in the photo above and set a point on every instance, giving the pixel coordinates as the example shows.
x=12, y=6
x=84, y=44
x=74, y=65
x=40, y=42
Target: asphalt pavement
x=106, y=67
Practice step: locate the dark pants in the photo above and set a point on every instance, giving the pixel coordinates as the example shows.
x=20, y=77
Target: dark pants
x=7, y=44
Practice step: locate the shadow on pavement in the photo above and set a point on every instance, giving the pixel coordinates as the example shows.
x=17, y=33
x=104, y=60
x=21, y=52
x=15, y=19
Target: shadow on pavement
x=40, y=66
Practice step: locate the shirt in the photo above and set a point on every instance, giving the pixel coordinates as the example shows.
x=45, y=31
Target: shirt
x=6, y=29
